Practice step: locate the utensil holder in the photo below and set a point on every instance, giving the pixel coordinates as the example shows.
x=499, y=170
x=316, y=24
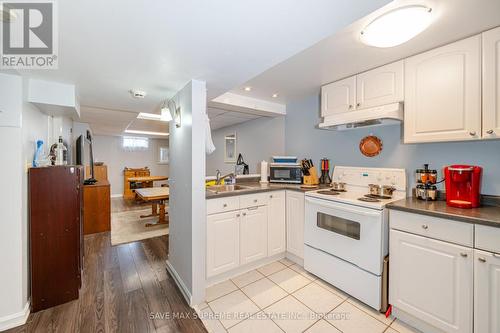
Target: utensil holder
x=313, y=178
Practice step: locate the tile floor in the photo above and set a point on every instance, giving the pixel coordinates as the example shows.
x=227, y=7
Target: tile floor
x=283, y=297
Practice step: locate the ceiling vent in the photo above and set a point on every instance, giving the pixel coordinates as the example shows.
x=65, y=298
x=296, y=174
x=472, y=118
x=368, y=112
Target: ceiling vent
x=138, y=93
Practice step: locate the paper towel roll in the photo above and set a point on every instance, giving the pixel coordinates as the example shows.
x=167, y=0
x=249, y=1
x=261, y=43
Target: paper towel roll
x=263, y=172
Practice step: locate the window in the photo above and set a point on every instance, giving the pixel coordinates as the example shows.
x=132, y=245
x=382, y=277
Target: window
x=163, y=155
x=135, y=143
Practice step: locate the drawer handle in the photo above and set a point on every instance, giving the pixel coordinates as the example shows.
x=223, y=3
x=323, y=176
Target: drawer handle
x=496, y=255
x=463, y=254
x=425, y=226
x=224, y=205
x=481, y=259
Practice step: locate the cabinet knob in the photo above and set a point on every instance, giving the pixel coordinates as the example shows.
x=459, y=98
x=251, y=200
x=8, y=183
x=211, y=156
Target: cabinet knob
x=350, y=106
x=237, y=215
x=224, y=205
x=271, y=196
x=463, y=254
x=472, y=133
x=244, y=214
x=481, y=259
x=255, y=200
x=425, y=226
x=490, y=131
x=358, y=104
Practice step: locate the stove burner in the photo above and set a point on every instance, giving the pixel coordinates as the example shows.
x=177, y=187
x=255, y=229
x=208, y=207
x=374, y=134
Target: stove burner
x=374, y=196
x=329, y=192
x=368, y=199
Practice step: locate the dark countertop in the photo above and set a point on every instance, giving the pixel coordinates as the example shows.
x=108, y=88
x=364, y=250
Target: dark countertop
x=486, y=215
x=256, y=187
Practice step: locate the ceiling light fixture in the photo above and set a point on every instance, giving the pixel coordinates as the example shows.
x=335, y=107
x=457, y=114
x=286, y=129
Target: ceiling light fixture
x=146, y=132
x=149, y=116
x=397, y=26
x=248, y=88
x=166, y=115
x=275, y=95
x=137, y=93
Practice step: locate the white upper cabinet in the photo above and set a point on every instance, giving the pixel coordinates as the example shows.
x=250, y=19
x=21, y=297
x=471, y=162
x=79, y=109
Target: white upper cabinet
x=382, y=85
x=338, y=97
x=443, y=93
x=276, y=225
x=432, y=281
x=486, y=292
x=491, y=84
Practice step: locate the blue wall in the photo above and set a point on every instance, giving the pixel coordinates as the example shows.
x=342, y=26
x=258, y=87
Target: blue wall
x=342, y=147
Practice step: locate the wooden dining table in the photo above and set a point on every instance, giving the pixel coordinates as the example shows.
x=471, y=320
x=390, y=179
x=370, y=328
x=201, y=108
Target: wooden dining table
x=157, y=196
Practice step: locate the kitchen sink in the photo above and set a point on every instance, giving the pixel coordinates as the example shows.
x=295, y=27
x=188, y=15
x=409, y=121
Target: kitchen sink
x=226, y=188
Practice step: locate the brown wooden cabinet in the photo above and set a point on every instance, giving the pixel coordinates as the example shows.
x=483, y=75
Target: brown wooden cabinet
x=128, y=189
x=56, y=234
x=96, y=207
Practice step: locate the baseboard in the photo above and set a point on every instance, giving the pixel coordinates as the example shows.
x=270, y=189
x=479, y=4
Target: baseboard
x=296, y=259
x=184, y=290
x=15, y=319
x=116, y=195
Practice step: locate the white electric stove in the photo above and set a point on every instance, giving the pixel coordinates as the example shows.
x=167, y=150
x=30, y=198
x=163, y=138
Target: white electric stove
x=346, y=233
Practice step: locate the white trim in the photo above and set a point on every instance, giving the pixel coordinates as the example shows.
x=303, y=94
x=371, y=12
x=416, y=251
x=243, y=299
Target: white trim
x=178, y=281
x=116, y=195
x=15, y=319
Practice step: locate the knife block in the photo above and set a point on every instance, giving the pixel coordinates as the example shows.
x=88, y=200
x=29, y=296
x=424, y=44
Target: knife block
x=313, y=178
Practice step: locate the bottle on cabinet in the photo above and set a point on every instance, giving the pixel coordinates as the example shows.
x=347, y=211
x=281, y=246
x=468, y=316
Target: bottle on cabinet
x=61, y=153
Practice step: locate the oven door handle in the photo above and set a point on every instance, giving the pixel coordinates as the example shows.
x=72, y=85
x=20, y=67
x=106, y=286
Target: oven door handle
x=347, y=210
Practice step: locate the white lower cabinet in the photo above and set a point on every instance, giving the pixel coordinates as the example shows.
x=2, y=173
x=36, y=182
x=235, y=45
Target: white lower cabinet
x=253, y=234
x=276, y=223
x=223, y=242
x=432, y=280
x=295, y=216
x=486, y=292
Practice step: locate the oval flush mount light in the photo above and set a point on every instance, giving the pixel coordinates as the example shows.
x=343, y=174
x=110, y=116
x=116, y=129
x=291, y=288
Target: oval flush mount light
x=397, y=26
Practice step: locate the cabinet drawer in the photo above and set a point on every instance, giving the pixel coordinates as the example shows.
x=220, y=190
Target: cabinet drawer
x=223, y=205
x=252, y=200
x=433, y=227
x=487, y=238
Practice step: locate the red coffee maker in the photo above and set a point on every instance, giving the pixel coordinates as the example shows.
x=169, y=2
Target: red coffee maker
x=463, y=185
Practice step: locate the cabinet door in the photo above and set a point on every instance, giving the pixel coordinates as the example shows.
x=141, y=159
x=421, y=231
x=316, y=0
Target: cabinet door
x=380, y=86
x=486, y=292
x=432, y=280
x=491, y=84
x=276, y=225
x=338, y=97
x=443, y=93
x=223, y=247
x=253, y=234
x=295, y=223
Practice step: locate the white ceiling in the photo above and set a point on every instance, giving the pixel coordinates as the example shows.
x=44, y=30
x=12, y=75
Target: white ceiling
x=108, y=47
x=222, y=118
x=342, y=54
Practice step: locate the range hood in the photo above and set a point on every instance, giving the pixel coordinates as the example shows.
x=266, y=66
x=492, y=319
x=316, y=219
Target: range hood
x=389, y=114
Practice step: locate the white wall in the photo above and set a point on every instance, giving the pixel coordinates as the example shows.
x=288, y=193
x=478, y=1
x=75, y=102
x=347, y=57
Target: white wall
x=108, y=149
x=17, y=155
x=256, y=140
x=187, y=229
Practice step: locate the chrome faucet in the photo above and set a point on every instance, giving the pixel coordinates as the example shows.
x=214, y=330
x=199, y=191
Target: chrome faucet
x=219, y=178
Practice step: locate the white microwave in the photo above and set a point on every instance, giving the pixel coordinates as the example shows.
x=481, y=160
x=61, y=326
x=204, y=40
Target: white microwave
x=285, y=173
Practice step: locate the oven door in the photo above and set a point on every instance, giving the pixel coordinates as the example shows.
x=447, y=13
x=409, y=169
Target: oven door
x=352, y=233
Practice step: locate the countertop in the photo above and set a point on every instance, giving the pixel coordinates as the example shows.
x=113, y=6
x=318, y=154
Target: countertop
x=486, y=215
x=256, y=187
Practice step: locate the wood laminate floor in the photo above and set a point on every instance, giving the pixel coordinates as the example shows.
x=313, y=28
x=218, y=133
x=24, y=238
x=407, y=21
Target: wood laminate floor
x=125, y=288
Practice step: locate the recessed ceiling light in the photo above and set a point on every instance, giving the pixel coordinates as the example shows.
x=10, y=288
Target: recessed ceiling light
x=248, y=88
x=146, y=132
x=151, y=116
x=397, y=26
x=275, y=95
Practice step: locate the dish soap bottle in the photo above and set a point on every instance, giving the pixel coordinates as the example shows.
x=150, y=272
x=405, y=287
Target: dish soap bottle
x=61, y=153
